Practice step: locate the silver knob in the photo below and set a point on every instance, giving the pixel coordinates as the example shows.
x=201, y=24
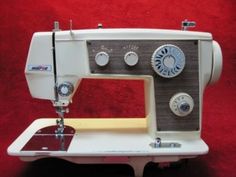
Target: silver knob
x=183, y=106
x=158, y=142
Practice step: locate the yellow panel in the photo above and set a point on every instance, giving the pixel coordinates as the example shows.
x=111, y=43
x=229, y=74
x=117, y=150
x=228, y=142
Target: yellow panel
x=107, y=123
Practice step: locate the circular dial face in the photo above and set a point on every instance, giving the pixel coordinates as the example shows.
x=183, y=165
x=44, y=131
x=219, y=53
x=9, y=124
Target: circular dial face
x=65, y=89
x=102, y=58
x=181, y=104
x=168, y=61
x=131, y=58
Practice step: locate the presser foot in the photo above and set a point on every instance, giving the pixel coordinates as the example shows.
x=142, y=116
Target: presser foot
x=59, y=132
x=60, y=121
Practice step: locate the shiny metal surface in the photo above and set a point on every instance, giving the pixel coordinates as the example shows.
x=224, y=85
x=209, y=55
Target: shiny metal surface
x=47, y=140
x=165, y=145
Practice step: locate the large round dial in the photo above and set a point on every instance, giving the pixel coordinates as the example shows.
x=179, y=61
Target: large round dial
x=168, y=61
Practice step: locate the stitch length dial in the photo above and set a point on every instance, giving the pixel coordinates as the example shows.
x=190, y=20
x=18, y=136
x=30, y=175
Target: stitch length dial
x=168, y=61
x=181, y=104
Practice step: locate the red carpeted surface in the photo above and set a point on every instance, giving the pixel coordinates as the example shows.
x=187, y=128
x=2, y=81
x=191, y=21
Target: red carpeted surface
x=20, y=18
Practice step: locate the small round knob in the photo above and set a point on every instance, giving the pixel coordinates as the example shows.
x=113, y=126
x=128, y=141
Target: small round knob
x=65, y=89
x=131, y=58
x=102, y=59
x=181, y=104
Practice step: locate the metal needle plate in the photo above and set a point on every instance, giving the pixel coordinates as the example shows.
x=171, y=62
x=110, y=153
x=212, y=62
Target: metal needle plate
x=46, y=140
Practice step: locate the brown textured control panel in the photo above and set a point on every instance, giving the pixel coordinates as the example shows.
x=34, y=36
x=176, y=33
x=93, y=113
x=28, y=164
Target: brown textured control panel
x=187, y=81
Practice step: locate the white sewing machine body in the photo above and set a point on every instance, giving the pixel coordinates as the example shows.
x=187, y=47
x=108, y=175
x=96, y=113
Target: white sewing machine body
x=91, y=54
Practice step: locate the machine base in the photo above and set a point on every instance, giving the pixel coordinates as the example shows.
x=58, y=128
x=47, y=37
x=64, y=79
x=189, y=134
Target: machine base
x=106, y=146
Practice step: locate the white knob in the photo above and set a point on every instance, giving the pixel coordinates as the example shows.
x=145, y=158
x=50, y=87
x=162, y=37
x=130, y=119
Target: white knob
x=131, y=58
x=181, y=104
x=216, y=63
x=102, y=58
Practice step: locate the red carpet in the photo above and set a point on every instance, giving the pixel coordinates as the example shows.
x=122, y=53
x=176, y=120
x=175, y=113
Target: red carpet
x=19, y=19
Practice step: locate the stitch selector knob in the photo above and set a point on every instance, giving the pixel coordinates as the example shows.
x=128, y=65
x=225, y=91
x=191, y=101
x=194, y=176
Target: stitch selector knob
x=65, y=89
x=102, y=59
x=131, y=58
x=181, y=104
x=168, y=61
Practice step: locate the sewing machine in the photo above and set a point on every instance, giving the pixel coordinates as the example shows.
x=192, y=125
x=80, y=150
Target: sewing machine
x=175, y=67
